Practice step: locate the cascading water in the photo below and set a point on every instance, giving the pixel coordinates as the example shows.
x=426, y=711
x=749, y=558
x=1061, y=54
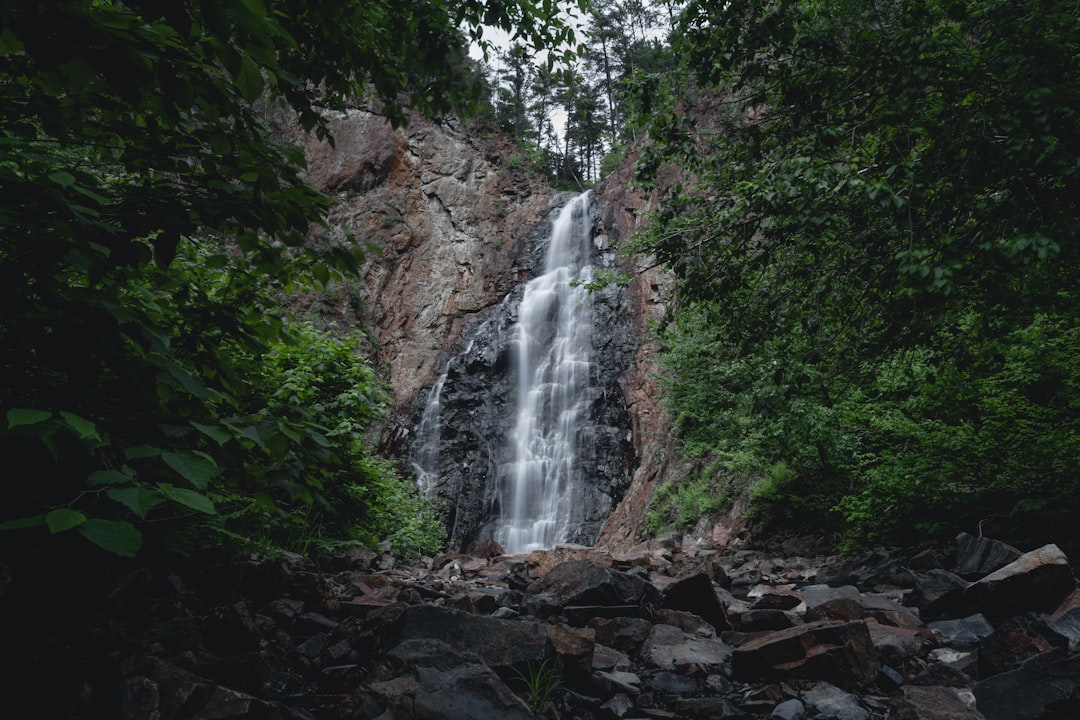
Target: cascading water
x=554, y=365
x=525, y=436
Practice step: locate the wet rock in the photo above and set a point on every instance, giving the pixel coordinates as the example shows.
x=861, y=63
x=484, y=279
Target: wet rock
x=1036, y=581
x=1012, y=642
x=939, y=594
x=759, y=620
x=695, y=594
x=942, y=674
x=897, y=645
x=708, y=708
x=977, y=557
x=839, y=652
x=829, y=702
x=934, y=703
x=1066, y=620
x=436, y=681
x=498, y=643
x=965, y=632
x=1045, y=687
x=623, y=633
x=587, y=583
x=791, y=709
x=671, y=684
x=669, y=648
x=161, y=690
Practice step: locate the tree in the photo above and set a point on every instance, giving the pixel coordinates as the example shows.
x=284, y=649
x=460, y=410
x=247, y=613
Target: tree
x=880, y=221
x=150, y=224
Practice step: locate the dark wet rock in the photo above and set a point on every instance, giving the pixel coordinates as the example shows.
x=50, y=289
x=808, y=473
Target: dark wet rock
x=791, y=709
x=829, y=702
x=942, y=675
x=688, y=622
x=158, y=689
x=585, y=583
x=934, y=703
x=837, y=608
x=1045, y=687
x=498, y=643
x=759, y=620
x=815, y=595
x=977, y=557
x=1012, y=642
x=964, y=632
x=708, y=708
x=623, y=633
x=574, y=650
x=695, y=594
x=436, y=681
x=1065, y=620
x=939, y=594
x=1036, y=581
x=669, y=648
x=835, y=651
x=671, y=684
x=897, y=645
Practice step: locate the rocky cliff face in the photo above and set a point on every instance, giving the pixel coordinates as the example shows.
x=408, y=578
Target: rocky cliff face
x=453, y=229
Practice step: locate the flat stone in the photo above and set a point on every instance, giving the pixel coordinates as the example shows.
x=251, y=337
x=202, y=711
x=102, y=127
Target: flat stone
x=669, y=648
x=498, y=643
x=963, y=633
x=829, y=701
x=934, y=703
x=835, y=651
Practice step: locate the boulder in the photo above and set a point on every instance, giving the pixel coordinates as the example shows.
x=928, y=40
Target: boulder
x=435, y=681
x=939, y=594
x=791, y=709
x=828, y=701
x=158, y=689
x=498, y=643
x=1045, y=687
x=963, y=633
x=977, y=557
x=1065, y=621
x=695, y=594
x=669, y=648
x=934, y=703
x=831, y=650
x=589, y=583
x=1036, y=581
x=897, y=645
x=1012, y=642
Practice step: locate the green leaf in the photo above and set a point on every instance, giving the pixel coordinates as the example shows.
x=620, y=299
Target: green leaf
x=26, y=416
x=62, y=519
x=249, y=81
x=141, y=451
x=85, y=429
x=116, y=536
x=197, y=469
x=62, y=178
x=139, y=500
x=189, y=498
x=26, y=522
x=215, y=432
x=109, y=477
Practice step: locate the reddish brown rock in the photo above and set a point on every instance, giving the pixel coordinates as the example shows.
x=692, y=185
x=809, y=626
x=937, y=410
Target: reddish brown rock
x=838, y=652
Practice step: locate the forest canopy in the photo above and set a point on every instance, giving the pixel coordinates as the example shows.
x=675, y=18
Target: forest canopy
x=876, y=251
x=152, y=222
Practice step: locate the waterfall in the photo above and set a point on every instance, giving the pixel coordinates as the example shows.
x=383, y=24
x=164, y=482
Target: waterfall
x=552, y=344
x=524, y=438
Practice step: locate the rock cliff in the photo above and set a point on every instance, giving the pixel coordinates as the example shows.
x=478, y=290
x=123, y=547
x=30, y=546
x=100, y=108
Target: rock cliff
x=453, y=225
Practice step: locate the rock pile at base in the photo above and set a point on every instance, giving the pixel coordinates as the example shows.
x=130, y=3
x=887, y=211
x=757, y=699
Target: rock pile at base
x=576, y=633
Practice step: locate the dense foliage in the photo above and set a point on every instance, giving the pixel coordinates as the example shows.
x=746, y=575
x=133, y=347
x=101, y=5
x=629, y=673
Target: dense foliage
x=150, y=225
x=877, y=259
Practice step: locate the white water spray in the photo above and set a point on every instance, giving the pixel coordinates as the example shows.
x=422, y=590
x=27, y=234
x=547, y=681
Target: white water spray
x=541, y=498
